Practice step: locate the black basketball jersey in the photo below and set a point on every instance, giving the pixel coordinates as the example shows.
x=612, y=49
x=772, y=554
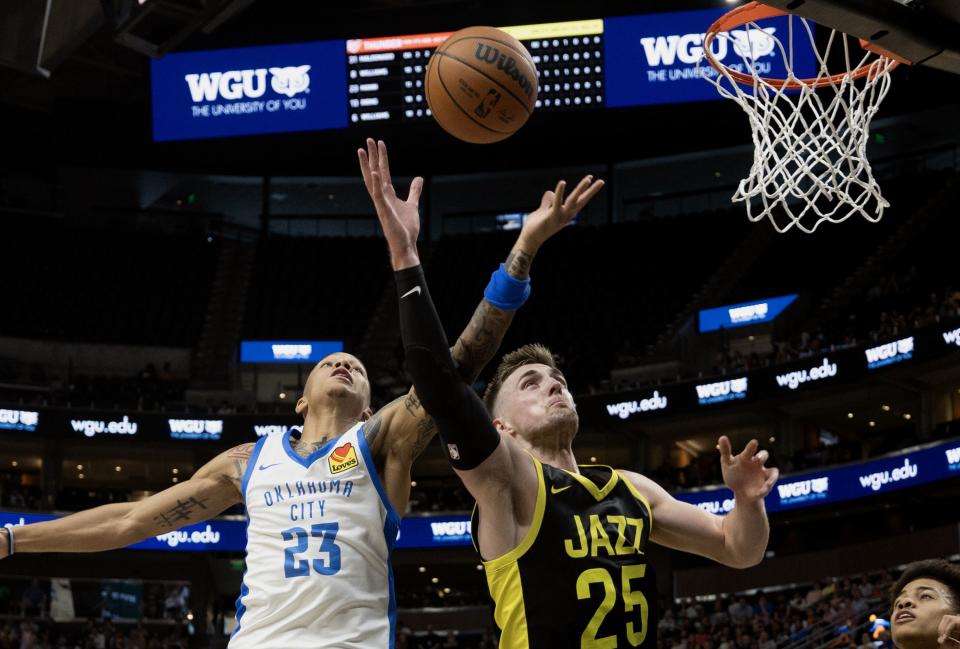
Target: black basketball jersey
x=579, y=578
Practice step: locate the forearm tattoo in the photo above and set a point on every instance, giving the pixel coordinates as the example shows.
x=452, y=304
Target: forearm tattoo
x=518, y=264
x=426, y=428
x=480, y=340
x=240, y=456
x=181, y=513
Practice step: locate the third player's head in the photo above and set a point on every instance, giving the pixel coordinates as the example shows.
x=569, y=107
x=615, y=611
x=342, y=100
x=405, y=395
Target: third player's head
x=338, y=381
x=925, y=592
x=528, y=398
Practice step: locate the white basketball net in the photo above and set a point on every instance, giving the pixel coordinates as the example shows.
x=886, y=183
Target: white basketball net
x=810, y=159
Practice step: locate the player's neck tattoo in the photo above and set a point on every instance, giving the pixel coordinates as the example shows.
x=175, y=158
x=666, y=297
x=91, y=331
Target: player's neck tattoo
x=305, y=449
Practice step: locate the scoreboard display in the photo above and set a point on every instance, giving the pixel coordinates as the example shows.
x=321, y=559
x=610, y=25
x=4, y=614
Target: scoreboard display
x=385, y=75
x=582, y=65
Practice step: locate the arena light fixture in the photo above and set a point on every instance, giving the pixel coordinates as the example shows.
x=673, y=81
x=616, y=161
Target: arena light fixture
x=155, y=27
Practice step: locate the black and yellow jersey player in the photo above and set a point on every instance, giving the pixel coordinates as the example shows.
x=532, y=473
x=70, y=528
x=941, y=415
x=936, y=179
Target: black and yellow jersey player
x=583, y=552
x=562, y=544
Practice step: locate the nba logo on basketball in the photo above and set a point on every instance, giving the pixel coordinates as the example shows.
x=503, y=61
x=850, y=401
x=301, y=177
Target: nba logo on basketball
x=343, y=458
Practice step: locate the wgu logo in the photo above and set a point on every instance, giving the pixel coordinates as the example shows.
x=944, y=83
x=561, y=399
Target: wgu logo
x=953, y=458
x=447, y=530
x=952, y=337
x=754, y=43
x=749, y=313
x=722, y=391
x=290, y=81
x=803, y=490
x=291, y=352
x=195, y=428
x=19, y=419
x=247, y=84
x=889, y=353
x=688, y=48
x=269, y=429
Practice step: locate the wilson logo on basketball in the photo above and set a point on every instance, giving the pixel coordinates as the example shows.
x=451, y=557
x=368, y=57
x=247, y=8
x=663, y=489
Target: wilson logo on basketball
x=343, y=458
x=506, y=63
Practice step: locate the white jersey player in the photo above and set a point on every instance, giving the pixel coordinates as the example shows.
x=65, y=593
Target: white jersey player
x=321, y=531
x=322, y=501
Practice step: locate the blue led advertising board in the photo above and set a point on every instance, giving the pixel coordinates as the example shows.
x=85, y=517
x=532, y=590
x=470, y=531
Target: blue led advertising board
x=243, y=91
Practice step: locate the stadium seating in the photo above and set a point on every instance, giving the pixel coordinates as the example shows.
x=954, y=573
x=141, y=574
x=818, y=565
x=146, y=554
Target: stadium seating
x=315, y=289
x=77, y=284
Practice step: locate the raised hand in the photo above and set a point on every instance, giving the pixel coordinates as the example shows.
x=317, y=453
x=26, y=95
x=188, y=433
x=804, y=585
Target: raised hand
x=948, y=632
x=400, y=219
x=745, y=474
x=555, y=213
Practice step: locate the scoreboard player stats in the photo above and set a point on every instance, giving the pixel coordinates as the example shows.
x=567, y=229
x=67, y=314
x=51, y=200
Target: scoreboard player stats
x=385, y=75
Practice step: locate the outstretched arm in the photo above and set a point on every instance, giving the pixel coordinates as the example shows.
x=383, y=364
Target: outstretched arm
x=737, y=540
x=410, y=428
x=211, y=490
x=479, y=342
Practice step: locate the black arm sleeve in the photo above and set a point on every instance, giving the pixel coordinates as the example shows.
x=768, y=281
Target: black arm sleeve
x=465, y=429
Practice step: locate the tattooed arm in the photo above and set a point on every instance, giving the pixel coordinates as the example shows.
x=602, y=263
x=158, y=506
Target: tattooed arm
x=212, y=489
x=410, y=427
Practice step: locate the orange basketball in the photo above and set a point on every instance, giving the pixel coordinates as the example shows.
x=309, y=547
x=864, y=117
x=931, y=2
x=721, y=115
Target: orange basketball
x=481, y=85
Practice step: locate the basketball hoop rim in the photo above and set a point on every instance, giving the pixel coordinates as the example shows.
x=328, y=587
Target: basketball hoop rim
x=754, y=11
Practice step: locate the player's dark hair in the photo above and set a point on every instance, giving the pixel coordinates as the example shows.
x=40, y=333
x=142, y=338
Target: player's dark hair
x=526, y=355
x=936, y=569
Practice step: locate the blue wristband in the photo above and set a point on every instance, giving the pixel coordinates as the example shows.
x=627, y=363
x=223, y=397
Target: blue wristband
x=506, y=292
x=9, y=528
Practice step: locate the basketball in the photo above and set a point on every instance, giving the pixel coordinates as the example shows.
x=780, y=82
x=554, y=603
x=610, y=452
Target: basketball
x=481, y=85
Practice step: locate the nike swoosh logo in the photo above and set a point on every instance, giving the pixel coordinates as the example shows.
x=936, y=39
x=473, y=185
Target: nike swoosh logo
x=264, y=468
x=554, y=490
x=415, y=289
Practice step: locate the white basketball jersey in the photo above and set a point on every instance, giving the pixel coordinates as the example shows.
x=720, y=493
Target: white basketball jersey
x=320, y=533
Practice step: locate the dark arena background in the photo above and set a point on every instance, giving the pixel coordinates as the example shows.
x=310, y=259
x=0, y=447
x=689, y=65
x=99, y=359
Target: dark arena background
x=175, y=257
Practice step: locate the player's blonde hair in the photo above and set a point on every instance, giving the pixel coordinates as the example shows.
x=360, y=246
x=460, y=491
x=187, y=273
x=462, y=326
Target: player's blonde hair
x=526, y=355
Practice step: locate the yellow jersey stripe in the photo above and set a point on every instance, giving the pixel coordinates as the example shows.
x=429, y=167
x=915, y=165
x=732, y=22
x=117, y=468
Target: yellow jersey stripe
x=531, y=536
